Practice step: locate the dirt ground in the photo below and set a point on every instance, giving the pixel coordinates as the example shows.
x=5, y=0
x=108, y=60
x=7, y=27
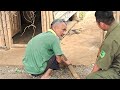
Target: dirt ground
x=80, y=46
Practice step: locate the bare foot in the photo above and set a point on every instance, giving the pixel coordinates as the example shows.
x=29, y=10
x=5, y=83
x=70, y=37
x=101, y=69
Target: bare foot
x=47, y=74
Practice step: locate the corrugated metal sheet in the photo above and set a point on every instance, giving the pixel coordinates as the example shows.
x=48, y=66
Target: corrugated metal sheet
x=63, y=14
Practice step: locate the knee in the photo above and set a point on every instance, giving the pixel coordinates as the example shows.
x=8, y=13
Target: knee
x=93, y=76
x=90, y=76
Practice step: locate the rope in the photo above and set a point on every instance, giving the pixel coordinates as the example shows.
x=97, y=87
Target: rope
x=31, y=18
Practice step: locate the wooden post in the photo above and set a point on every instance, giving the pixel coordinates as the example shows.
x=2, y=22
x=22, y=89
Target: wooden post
x=2, y=38
x=5, y=29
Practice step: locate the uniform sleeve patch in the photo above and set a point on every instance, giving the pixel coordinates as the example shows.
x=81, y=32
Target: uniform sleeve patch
x=102, y=54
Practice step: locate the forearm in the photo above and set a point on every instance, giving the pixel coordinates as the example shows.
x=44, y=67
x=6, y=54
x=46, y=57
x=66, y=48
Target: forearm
x=65, y=60
x=61, y=58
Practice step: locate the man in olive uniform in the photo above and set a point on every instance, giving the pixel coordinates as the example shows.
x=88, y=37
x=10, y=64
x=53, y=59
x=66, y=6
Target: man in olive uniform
x=43, y=52
x=107, y=65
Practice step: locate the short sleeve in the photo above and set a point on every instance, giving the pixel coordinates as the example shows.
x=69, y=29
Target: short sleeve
x=56, y=47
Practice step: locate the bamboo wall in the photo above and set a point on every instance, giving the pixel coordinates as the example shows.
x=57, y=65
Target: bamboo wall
x=8, y=28
x=46, y=19
x=5, y=30
x=10, y=25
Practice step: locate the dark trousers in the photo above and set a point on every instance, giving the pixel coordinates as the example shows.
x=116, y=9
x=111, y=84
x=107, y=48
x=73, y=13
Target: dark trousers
x=52, y=64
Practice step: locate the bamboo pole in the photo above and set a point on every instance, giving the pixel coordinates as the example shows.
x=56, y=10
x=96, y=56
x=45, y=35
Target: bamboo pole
x=11, y=25
x=47, y=20
x=19, y=21
x=2, y=38
x=8, y=26
x=50, y=17
x=117, y=15
x=5, y=29
x=43, y=18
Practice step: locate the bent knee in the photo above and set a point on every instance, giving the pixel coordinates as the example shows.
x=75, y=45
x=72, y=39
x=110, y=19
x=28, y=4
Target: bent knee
x=93, y=76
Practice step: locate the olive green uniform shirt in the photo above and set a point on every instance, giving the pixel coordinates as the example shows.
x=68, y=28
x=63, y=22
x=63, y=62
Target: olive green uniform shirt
x=110, y=50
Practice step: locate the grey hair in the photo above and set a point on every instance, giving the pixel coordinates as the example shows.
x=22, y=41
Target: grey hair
x=58, y=21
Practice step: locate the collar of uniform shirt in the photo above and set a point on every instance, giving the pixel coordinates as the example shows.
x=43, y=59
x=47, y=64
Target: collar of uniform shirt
x=113, y=26
x=52, y=31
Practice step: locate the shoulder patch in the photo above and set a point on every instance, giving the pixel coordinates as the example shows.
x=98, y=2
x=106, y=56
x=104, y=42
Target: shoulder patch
x=102, y=54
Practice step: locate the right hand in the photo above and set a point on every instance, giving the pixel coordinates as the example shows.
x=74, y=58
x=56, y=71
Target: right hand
x=68, y=62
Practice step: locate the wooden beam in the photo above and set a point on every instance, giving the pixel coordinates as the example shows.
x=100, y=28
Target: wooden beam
x=72, y=70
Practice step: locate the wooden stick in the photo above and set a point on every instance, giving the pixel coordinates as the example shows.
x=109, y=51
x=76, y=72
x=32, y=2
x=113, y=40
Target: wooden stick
x=72, y=70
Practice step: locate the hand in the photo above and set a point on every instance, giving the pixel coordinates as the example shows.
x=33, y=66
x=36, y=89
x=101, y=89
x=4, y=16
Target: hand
x=68, y=62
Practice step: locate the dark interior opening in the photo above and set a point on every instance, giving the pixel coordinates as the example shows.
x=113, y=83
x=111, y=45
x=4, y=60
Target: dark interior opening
x=23, y=38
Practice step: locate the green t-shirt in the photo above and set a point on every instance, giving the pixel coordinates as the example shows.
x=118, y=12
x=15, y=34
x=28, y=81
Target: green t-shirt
x=39, y=50
x=110, y=49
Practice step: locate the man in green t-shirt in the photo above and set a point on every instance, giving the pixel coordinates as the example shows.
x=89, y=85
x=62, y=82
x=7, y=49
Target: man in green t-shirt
x=107, y=65
x=43, y=52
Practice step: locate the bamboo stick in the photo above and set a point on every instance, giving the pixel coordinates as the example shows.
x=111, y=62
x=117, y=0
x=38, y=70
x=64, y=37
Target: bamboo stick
x=2, y=38
x=5, y=29
x=8, y=26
